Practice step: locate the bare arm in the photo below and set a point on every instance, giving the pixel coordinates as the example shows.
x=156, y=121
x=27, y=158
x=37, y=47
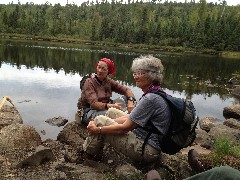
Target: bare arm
x=122, y=119
x=124, y=90
x=129, y=92
x=127, y=126
x=98, y=106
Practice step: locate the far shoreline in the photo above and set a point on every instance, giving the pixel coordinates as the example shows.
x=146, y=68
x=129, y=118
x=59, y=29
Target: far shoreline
x=142, y=47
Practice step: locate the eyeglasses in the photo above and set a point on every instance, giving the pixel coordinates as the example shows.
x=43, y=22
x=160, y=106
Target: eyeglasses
x=139, y=74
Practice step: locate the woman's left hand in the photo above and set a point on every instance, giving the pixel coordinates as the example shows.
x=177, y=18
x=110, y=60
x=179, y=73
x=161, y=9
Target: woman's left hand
x=92, y=128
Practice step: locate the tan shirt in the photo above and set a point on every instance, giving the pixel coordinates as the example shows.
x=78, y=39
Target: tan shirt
x=94, y=90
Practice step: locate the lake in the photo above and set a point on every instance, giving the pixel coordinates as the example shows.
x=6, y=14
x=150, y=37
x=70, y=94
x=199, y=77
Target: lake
x=42, y=79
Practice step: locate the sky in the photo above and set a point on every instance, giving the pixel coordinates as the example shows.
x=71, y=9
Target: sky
x=79, y=2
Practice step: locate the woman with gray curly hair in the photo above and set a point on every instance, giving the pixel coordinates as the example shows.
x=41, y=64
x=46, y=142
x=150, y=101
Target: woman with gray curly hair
x=126, y=133
x=151, y=65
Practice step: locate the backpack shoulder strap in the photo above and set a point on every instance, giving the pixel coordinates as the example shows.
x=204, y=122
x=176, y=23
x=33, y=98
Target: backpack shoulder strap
x=84, y=78
x=177, y=105
x=161, y=93
x=145, y=143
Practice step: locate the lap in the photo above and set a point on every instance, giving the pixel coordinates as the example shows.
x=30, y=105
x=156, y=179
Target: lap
x=128, y=144
x=92, y=113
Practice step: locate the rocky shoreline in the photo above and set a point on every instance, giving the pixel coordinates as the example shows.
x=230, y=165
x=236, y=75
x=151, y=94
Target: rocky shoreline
x=25, y=156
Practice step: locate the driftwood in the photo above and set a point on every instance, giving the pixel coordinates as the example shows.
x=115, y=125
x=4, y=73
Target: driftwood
x=6, y=98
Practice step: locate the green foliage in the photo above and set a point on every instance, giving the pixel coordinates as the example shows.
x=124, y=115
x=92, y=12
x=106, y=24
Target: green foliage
x=224, y=154
x=191, y=25
x=236, y=150
x=223, y=146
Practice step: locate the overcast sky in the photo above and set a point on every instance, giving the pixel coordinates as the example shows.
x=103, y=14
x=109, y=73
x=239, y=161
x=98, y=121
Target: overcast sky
x=79, y=2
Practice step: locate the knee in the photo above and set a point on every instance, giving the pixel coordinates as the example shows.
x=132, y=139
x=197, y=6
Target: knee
x=111, y=112
x=226, y=170
x=100, y=120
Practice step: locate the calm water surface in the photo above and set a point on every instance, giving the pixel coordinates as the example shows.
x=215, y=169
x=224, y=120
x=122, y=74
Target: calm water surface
x=43, y=78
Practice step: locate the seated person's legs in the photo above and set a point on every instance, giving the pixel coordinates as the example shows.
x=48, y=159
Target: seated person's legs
x=85, y=117
x=91, y=114
x=128, y=144
x=94, y=144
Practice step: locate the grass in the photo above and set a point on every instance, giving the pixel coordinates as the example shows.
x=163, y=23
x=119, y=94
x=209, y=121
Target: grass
x=224, y=147
x=224, y=154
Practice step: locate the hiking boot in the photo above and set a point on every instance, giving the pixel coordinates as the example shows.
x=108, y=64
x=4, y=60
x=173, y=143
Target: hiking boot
x=153, y=175
x=195, y=162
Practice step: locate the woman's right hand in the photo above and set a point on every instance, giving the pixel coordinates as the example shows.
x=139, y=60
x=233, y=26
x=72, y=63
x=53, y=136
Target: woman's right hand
x=92, y=128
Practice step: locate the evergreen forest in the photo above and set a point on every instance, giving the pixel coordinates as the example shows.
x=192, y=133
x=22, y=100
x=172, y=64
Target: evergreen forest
x=214, y=26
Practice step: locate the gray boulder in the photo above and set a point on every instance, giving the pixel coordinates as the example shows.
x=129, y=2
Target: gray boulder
x=73, y=134
x=203, y=139
x=232, y=111
x=207, y=123
x=39, y=156
x=232, y=123
x=57, y=121
x=9, y=115
x=19, y=136
x=223, y=131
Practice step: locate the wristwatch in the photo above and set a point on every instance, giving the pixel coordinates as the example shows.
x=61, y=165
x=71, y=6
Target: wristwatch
x=130, y=98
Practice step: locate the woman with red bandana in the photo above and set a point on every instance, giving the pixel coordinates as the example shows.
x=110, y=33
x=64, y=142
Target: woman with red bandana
x=97, y=92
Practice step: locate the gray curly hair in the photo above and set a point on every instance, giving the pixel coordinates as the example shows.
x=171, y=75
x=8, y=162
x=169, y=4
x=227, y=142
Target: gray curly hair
x=152, y=65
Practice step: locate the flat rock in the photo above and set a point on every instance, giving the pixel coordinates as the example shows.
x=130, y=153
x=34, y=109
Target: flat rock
x=39, y=156
x=57, y=121
x=232, y=111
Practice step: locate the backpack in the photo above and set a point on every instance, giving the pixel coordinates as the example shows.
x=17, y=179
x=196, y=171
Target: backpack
x=84, y=78
x=181, y=132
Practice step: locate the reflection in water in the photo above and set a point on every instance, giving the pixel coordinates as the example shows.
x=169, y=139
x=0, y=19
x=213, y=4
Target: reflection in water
x=43, y=79
x=39, y=95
